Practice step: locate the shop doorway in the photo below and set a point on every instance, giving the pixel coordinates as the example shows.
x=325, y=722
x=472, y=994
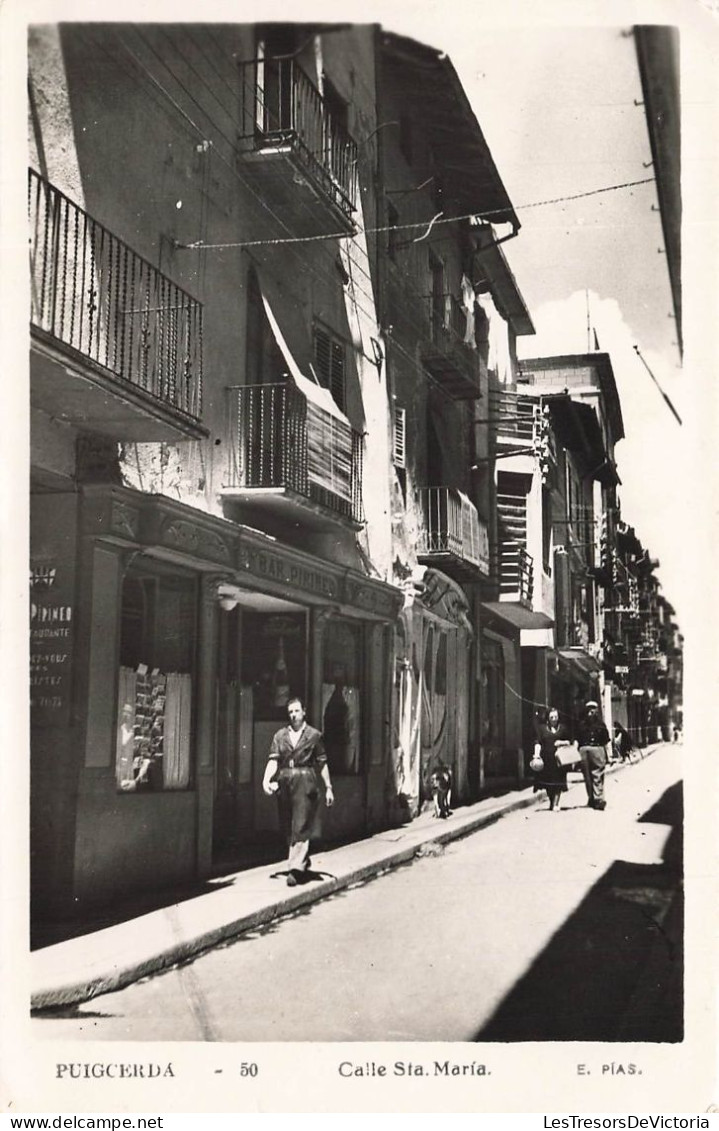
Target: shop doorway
x=262, y=663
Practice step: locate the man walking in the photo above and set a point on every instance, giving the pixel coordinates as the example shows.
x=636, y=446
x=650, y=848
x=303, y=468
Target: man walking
x=593, y=739
x=297, y=755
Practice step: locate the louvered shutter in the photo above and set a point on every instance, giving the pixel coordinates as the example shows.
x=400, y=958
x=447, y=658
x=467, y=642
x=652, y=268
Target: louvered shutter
x=399, y=437
x=330, y=359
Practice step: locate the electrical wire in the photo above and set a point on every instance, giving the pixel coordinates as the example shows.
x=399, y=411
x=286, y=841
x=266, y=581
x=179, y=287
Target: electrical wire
x=484, y=215
x=369, y=313
x=204, y=245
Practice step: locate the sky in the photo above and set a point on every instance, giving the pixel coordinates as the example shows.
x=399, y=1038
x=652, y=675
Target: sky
x=557, y=105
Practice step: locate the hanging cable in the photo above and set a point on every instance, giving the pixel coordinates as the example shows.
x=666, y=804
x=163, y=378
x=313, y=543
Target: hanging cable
x=668, y=403
x=423, y=224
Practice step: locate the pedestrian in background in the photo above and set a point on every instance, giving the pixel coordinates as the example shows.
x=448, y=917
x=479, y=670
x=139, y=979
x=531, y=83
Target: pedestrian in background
x=623, y=744
x=296, y=761
x=441, y=785
x=551, y=736
x=593, y=739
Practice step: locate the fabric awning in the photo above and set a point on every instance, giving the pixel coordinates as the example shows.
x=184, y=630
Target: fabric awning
x=329, y=432
x=315, y=394
x=580, y=660
x=517, y=615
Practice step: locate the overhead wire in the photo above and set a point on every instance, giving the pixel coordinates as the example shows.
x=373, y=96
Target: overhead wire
x=323, y=275
x=476, y=215
x=205, y=246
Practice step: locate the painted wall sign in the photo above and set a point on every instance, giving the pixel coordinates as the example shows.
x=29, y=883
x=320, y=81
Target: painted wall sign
x=274, y=566
x=51, y=643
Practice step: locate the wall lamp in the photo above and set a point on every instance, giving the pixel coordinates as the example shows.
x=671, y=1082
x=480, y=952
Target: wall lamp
x=228, y=595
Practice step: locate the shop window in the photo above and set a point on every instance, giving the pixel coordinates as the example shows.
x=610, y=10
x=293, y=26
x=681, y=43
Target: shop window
x=273, y=662
x=342, y=696
x=156, y=678
x=492, y=726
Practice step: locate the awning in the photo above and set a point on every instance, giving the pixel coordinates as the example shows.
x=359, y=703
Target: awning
x=330, y=436
x=315, y=394
x=517, y=615
x=578, y=429
x=580, y=660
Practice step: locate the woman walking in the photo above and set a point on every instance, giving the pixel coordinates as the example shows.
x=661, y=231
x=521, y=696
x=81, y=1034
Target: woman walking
x=552, y=777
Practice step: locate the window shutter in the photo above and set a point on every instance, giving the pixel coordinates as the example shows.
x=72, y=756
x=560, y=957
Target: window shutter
x=399, y=423
x=330, y=359
x=337, y=374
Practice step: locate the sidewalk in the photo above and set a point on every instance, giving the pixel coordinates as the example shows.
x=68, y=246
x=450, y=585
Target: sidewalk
x=80, y=968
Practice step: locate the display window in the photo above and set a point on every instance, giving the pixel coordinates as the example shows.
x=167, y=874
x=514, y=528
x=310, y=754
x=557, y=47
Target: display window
x=274, y=651
x=493, y=682
x=158, y=640
x=342, y=696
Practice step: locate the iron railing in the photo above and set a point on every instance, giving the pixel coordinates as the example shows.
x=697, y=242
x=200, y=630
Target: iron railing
x=282, y=440
x=451, y=526
x=93, y=293
x=447, y=320
x=281, y=106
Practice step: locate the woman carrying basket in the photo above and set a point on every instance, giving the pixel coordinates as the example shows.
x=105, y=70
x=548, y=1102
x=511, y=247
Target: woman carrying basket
x=552, y=776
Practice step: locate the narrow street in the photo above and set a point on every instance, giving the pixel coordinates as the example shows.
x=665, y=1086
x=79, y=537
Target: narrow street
x=544, y=926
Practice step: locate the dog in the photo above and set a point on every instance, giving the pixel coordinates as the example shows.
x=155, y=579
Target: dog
x=441, y=785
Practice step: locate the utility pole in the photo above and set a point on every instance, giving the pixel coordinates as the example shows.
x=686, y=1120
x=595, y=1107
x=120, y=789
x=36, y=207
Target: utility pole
x=669, y=404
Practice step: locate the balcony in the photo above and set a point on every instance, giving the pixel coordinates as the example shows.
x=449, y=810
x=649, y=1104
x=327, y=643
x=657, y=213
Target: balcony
x=514, y=416
x=516, y=574
x=445, y=353
x=294, y=152
x=116, y=345
x=292, y=460
x=454, y=538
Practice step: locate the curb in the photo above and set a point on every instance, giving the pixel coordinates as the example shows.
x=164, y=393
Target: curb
x=77, y=992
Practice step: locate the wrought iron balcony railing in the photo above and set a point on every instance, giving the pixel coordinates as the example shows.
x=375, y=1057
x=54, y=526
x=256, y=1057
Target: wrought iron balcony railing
x=282, y=107
x=446, y=351
x=281, y=441
x=452, y=529
x=95, y=295
x=448, y=320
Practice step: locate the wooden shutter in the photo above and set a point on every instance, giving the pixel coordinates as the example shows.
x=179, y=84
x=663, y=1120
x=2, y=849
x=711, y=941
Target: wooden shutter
x=330, y=359
x=399, y=437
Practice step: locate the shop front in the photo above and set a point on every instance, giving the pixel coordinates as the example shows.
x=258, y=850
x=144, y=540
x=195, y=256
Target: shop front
x=513, y=685
x=575, y=680
x=178, y=639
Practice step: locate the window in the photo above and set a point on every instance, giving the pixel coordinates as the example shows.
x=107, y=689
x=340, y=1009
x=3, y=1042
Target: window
x=342, y=696
x=492, y=703
x=330, y=362
x=399, y=437
x=546, y=529
x=157, y=664
x=335, y=105
x=437, y=297
x=274, y=650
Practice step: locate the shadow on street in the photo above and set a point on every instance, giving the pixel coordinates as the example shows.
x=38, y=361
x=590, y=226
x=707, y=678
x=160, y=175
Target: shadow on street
x=614, y=971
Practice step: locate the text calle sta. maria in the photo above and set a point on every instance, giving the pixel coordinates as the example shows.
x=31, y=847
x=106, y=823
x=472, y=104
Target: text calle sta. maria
x=372, y=1068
